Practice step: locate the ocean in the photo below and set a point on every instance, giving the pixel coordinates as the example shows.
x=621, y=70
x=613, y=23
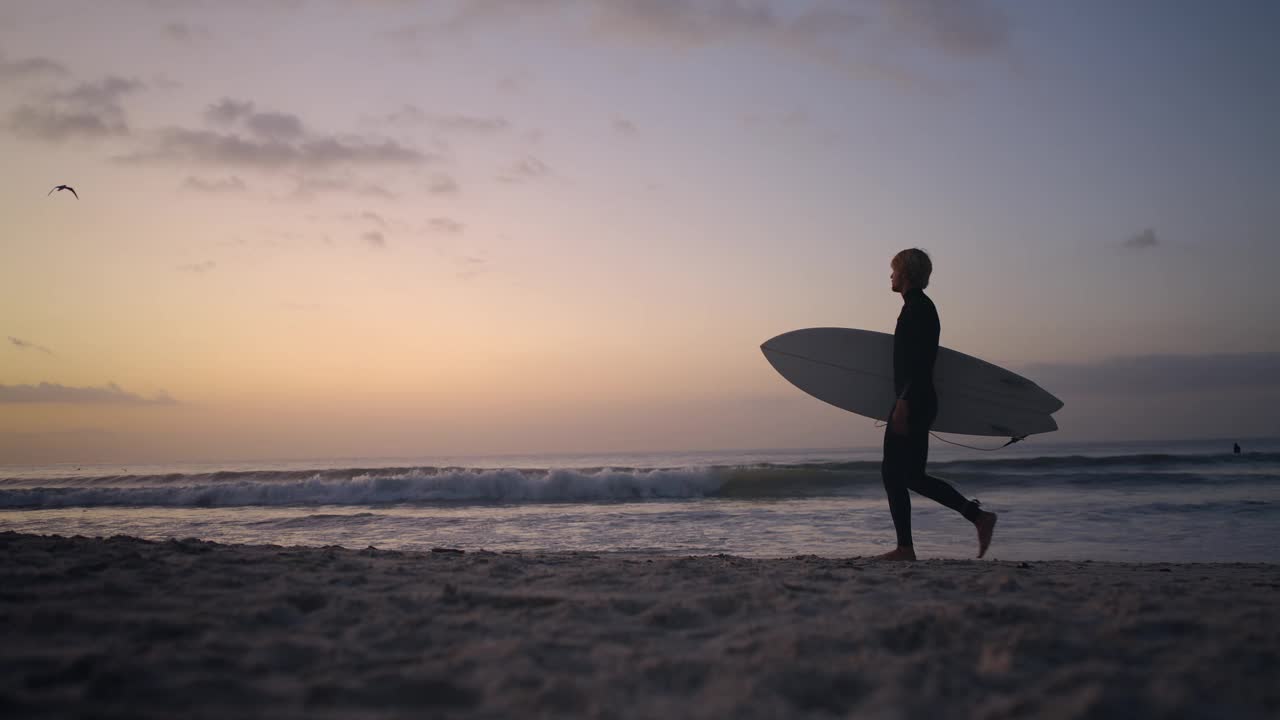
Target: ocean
x=1138, y=502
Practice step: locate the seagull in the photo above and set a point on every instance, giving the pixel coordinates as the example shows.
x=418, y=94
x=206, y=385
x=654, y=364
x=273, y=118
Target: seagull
x=63, y=187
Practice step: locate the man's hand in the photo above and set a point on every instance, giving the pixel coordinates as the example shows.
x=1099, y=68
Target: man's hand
x=898, y=420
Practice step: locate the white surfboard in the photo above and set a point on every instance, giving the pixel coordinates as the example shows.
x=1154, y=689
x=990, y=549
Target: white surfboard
x=853, y=370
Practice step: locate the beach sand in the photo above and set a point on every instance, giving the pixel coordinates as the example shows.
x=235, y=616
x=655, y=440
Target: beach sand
x=126, y=628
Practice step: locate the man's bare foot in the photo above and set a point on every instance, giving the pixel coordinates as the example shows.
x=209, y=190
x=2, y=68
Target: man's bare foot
x=986, y=524
x=901, y=553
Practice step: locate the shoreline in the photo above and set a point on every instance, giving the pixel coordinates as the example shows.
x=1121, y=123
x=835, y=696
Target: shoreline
x=123, y=627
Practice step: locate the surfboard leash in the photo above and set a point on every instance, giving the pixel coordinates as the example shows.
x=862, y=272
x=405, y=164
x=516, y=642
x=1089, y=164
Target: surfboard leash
x=1012, y=440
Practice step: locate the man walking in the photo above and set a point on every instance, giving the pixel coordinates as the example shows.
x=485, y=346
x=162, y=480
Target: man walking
x=906, y=438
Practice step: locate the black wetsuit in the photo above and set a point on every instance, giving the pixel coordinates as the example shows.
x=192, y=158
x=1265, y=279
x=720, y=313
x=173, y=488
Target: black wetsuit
x=915, y=349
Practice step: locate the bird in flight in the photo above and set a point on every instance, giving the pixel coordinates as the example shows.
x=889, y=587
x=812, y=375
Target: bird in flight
x=63, y=187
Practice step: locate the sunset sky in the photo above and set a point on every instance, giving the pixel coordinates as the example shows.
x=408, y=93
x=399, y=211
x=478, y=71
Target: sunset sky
x=356, y=228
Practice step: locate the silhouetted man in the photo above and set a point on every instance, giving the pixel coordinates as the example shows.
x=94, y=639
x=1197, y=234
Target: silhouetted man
x=906, y=438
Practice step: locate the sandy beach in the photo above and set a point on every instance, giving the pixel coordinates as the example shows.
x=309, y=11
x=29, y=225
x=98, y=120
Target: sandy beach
x=127, y=628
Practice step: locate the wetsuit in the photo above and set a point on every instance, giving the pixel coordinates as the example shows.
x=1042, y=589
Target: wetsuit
x=915, y=349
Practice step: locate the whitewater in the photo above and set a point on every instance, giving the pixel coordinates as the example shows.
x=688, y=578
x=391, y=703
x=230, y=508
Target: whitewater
x=1174, y=502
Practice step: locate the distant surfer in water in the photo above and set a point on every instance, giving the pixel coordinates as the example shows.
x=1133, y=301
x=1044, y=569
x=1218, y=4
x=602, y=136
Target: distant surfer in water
x=906, y=437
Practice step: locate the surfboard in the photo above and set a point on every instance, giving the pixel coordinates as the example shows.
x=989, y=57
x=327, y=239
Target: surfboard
x=853, y=370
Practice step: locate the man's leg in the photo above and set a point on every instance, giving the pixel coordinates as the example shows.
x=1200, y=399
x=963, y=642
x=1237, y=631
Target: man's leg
x=941, y=492
x=893, y=472
x=937, y=490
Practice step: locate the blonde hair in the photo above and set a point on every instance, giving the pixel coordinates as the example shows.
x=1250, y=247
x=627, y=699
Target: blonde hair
x=915, y=266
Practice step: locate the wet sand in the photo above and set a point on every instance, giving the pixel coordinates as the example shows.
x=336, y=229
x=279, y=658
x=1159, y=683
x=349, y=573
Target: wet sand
x=126, y=628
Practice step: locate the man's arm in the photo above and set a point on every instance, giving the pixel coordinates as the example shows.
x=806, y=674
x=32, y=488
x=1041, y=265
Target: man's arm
x=916, y=344
x=920, y=344
x=909, y=327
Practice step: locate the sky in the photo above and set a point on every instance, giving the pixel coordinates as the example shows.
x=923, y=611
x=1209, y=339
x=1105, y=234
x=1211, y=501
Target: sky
x=363, y=228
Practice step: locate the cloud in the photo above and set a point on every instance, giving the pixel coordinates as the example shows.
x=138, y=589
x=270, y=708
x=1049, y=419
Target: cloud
x=267, y=125
x=687, y=24
x=52, y=125
x=275, y=126
x=267, y=141
x=30, y=68
x=478, y=14
x=515, y=82
x=671, y=23
x=625, y=127
x=231, y=184
x=309, y=186
x=185, y=33
x=442, y=185
x=182, y=146
x=227, y=111
x=445, y=225
x=471, y=266
x=374, y=218
x=24, y=345
x=527, y=168
x=109, y=394
x=961, y=29
x=410, y=41
x=1159, y=374
x=199, y=268
x=374, y=239
x=88, y=111
x=104, y=94
x=1145, y=239
x=415, y=116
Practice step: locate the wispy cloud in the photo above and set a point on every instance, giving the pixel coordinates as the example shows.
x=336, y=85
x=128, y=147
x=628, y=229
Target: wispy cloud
x=227, y=111
x=413, y=116
x=50, y=124
x=30, y=68
x=445, y=225
x=1145, y=239
x=687, y=24
x=183, y=146
x=275, y=126
x=527, y=168
x=1158, y=374
x=625, y=127
x=87, y=111
x=231, y=184
x=246, y=137
x=374, y=239
x=25, y=345
x=442, y=185
x=471, y=266
x=309, y=186
x=199, y=268
x=185, y=32
x=103, y=95
x=374, y=218
x=960, y=29
x=109, y=394
x=515, y=82
x=268, y=125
